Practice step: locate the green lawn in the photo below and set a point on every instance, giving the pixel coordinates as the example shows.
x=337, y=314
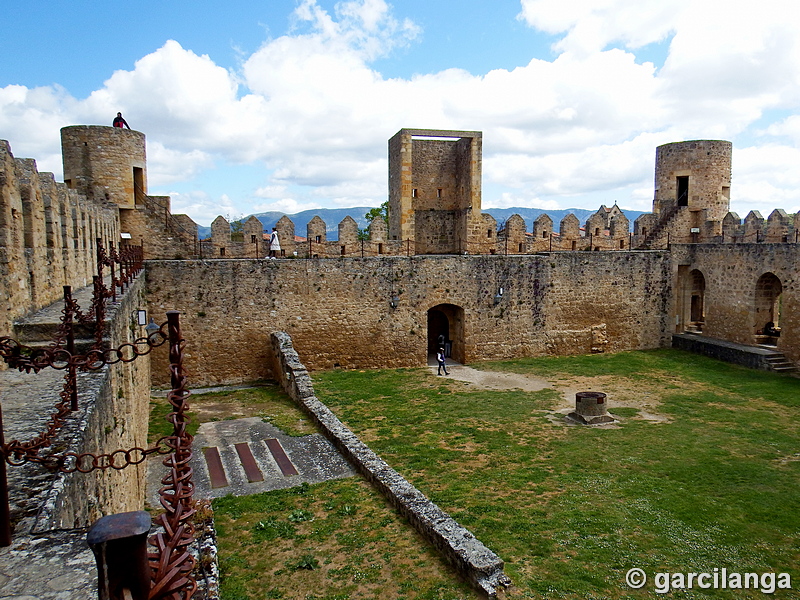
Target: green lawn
x=701, y=473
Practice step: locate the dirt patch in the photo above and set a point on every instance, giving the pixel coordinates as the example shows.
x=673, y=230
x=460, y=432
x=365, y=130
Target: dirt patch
x=622, y=392
x=491, y=380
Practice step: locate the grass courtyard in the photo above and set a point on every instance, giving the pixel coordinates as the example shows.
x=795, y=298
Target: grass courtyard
x=701, y=473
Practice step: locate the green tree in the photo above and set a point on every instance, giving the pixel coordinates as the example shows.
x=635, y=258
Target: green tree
x=372, y=214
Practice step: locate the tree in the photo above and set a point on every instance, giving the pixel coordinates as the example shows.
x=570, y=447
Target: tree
x=378, y=211
x=237, y=230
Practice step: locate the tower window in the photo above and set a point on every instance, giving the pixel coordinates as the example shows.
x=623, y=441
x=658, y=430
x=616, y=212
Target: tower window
x=683, y=190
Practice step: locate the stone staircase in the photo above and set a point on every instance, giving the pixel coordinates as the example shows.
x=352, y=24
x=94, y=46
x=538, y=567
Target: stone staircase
x=40, y=329
x=656, y=233
x=779, y=363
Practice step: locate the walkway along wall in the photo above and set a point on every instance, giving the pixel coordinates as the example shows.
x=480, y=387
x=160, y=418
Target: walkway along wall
x=113, y=414
x=338, y=312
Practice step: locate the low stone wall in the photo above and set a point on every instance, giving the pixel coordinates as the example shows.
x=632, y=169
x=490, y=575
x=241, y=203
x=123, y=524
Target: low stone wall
x=114, y=411
x=751, y=357
x=467, y=554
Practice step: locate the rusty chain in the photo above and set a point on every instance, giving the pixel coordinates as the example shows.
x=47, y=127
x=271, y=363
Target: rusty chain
x=172, y=565
x=16, y=452
x=171, y=562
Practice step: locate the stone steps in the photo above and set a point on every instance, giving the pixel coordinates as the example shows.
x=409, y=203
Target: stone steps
x=779, y=363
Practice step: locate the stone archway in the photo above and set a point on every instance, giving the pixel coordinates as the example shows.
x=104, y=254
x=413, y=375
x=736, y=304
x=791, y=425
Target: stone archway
x=690, y=300
x=697, y=314
x=767, y=309
x=447, y=320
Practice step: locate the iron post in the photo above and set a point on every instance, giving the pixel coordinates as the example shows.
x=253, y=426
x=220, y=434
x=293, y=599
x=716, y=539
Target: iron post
x=119, y=543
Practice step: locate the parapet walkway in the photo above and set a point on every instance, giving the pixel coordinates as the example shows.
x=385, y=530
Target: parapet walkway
x=53, y=565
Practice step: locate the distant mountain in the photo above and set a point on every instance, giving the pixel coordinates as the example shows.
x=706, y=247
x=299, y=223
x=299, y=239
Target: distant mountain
x=334, y=216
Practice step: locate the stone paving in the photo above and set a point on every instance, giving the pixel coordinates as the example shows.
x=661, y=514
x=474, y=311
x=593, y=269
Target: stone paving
x=315, y=459
x=50, y=565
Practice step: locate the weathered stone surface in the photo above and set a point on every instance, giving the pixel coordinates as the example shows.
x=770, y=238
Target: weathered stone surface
x=338, y=312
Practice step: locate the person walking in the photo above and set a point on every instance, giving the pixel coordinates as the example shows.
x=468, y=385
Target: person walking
x=274, y=244
x=442, y=362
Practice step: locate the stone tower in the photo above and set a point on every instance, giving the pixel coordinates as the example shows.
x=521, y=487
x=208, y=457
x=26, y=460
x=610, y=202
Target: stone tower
x=106, y=157
x=435, y=190
x=696, y=175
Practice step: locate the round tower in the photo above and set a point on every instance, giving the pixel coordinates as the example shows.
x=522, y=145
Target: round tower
x=109, y=157
x=695, y=174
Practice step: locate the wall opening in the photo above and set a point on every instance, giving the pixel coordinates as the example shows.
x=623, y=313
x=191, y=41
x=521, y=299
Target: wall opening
x=682, y=194
x=768, y=304
x=138, y=185
x=446, y=322
x=697, y=312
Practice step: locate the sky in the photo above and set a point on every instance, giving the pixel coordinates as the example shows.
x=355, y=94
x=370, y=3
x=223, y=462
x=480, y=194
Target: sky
x=288, y=105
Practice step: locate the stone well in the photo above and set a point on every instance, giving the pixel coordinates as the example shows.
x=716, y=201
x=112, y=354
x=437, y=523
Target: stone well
x=591, y=408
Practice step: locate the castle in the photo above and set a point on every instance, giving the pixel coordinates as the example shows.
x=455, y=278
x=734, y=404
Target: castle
x=689, y=272
x=440, y=266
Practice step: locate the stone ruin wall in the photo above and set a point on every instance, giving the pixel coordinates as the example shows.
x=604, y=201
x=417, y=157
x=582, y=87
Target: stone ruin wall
x=118, y=401
x=707, y=163
x=48, y=237
x=731, y=273
x=160, y=233
x=338, y=312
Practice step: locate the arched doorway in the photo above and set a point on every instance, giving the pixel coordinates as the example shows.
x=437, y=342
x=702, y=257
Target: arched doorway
x=767, y=313
x=697, y=315
x=447, y=320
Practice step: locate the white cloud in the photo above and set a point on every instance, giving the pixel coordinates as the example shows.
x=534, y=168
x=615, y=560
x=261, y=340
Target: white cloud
x=310, y=106
x=201, y=207
x=168, y=165
x=765, y=178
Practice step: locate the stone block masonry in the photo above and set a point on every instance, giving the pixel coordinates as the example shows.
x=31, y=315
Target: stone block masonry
x=482, y=567
x=338, y=312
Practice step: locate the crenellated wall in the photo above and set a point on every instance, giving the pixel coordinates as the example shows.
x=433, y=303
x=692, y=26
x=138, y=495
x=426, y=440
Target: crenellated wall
x=48, y=236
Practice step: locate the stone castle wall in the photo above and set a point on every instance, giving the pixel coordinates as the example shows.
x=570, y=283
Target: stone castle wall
x=731, y=274
x=109, y=157
x=48, y=236
x=115, y=404
x=706, y=164
x=339, y=315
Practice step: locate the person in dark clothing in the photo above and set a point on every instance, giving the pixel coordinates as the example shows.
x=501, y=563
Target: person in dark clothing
x=442, y=362
x=120, y=122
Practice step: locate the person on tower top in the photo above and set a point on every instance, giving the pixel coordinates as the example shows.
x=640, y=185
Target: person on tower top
x=120, y=122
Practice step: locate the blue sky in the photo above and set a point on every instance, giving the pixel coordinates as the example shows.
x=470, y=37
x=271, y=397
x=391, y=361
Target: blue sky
x=288, y=105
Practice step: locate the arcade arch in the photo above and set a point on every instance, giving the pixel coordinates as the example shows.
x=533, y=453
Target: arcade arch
x=447, y=320
x=767, y=309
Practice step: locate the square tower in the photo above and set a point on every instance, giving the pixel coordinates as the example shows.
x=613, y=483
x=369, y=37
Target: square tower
x=435, y=189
